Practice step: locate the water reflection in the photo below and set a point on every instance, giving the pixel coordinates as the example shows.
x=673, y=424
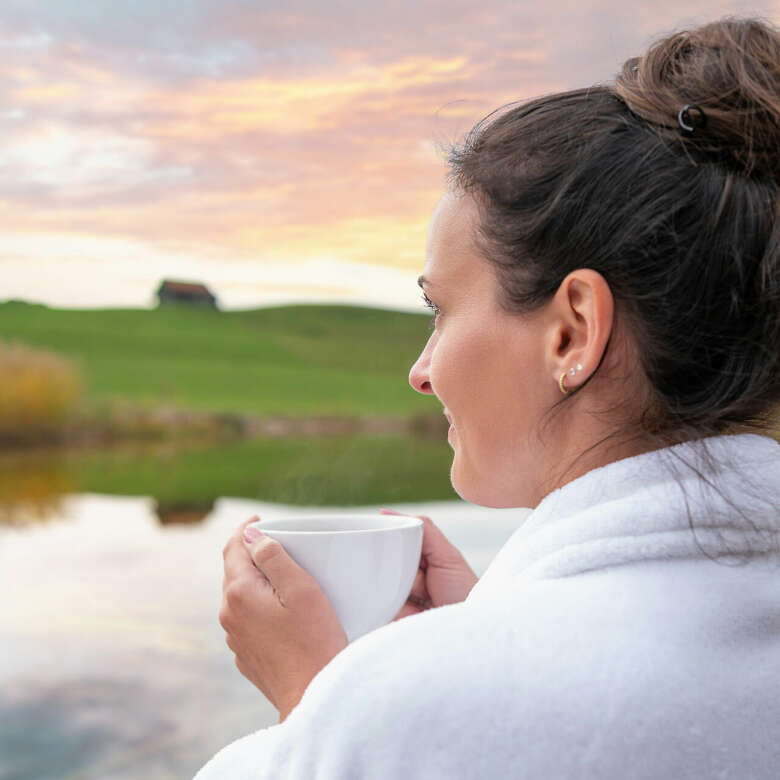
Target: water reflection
x=183, y=513
x=114, y=663
x=185, y=483
x=32, y=486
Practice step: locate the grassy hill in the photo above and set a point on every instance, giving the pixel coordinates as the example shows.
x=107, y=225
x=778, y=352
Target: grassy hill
x=291, y=360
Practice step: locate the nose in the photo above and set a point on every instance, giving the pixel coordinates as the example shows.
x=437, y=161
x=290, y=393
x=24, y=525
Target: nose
x=419, y=375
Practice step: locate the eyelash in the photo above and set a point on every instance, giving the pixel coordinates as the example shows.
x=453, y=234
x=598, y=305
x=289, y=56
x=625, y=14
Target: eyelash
x=431, y=305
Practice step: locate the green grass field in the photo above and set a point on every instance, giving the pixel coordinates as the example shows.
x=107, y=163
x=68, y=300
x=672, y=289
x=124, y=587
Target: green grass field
x=291, y=360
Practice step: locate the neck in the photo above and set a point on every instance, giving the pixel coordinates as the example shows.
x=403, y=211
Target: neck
x=584, y=454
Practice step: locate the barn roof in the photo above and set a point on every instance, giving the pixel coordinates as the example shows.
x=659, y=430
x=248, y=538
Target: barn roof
x=188, y=287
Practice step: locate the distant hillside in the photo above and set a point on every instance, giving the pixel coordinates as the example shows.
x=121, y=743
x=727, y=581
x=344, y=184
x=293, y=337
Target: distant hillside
x=290, y=360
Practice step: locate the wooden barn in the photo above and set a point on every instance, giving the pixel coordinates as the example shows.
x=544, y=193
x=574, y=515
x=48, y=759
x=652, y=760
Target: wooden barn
x=185, y=292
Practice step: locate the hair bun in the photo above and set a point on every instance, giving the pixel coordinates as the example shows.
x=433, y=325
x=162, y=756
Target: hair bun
x=730, y=70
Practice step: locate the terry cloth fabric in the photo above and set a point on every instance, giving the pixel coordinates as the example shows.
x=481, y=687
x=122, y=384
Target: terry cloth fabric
x=606, y=640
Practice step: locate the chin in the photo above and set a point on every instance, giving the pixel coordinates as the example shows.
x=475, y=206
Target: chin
x=469, y=490
x=481, y=493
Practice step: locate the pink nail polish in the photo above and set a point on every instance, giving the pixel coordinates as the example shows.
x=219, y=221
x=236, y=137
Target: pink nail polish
x=252, y=534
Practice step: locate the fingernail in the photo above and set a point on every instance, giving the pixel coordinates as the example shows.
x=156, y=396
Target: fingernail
x=252, y=534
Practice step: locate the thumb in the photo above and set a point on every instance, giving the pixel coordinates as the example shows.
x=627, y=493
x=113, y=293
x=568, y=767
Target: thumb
x=438, y=550
x=273, y=561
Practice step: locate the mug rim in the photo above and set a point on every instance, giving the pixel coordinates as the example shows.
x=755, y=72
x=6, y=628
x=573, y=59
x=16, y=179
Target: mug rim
x=400, y=523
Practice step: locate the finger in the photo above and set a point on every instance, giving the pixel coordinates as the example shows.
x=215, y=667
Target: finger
x=429, y=530
x=268, y=555
x=243, y=526
x=420, y=603
x=385, y=511
x=406, y=610
x=437, y=550
x=419, y=591
x=238, y=564
x=237, y=561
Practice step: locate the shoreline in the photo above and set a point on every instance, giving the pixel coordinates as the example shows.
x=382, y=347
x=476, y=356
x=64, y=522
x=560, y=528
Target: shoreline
x=187, y=426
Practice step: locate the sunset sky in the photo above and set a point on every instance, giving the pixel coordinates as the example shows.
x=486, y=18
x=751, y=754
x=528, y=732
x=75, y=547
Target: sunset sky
x=278, y=152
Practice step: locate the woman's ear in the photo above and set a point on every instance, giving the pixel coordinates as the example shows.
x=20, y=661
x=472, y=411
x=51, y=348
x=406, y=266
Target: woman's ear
x=582, y=313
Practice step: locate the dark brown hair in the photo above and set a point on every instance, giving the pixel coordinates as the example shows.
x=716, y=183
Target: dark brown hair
x=682, y=225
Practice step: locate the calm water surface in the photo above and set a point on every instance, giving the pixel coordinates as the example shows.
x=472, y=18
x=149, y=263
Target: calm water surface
x=114, y=664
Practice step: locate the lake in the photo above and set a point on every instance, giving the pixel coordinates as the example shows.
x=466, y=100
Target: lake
x=114, y=664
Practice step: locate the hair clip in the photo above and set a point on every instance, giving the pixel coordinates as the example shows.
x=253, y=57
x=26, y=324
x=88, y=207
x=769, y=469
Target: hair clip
x=690, y=121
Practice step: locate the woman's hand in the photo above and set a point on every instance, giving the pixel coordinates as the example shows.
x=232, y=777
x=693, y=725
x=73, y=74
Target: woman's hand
x=444, y=577
x=279, y=623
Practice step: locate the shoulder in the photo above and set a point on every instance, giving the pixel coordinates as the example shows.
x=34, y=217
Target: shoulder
x=394, y=699
x=535, y=638
x=549, y=676
x=413, y=698
x=457, y=691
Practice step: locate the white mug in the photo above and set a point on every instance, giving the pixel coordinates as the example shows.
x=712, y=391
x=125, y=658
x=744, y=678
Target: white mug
x=365, y=564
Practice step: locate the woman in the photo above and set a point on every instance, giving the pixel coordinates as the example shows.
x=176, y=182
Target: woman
x=606, y=284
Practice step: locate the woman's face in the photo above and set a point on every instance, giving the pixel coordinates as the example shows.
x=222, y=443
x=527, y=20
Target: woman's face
x=486, y=367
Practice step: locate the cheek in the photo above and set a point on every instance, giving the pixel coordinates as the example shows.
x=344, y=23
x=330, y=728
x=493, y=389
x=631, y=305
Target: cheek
x=491, y=387
x=469, y=374
x=452, y=370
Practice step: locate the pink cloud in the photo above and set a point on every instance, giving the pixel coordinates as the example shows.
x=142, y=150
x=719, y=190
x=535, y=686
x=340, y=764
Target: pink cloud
x=280, y=133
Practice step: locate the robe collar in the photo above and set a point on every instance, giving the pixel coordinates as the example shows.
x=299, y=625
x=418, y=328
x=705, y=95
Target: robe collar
x=641, y=508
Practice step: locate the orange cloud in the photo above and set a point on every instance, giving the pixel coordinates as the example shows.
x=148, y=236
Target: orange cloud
x=291, y=105
x=392, y=241
x=46, y=94
x=367, y=199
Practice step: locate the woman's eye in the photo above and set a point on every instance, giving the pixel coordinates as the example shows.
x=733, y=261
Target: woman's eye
x=431, y=305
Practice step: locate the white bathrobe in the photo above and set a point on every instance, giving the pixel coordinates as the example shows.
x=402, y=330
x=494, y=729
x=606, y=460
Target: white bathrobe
x=602, y=642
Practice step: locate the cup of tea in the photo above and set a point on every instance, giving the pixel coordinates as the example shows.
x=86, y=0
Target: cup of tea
x=365, y=564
